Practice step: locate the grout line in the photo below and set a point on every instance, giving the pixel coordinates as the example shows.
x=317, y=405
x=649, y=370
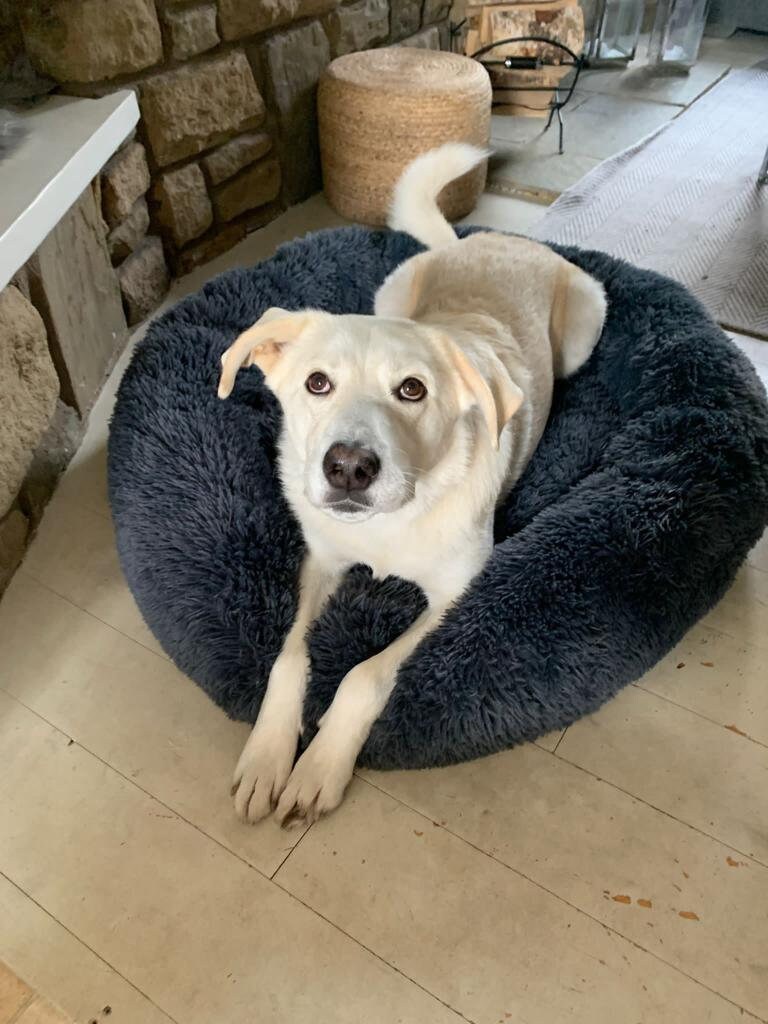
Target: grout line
x=167, y=660
x=562, y=737
x=292, y=849
x=635, y=95
x=31, y=998
x=745, y=333
x=693, y=711
x=660, y=810
x=373, y=953
x=337, y=927
x=21, y=571
x=233, y=853
x=132, y=782
x=562, y=899
x=711, y=86
x=90, y=949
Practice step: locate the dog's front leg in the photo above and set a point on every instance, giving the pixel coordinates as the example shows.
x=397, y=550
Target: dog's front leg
x=267, y=758
x=324, y=770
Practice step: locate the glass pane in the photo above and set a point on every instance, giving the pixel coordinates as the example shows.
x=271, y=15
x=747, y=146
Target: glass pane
x=620, y=29
x=677, y=31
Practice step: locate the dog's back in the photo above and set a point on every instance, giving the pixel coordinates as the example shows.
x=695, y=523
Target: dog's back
x=523, y=284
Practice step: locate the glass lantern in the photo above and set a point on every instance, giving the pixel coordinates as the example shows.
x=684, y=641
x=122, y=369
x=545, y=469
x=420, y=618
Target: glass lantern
x=677, y=31
x=614, y=30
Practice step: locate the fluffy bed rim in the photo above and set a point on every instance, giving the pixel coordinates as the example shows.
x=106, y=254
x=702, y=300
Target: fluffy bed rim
x=644, y=497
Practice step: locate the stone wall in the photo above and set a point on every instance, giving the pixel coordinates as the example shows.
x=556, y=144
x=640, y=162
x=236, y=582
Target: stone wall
x=227, y=137
x=62, y=327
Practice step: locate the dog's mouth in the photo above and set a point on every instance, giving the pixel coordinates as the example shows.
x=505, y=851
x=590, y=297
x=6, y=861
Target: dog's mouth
x=348, y=508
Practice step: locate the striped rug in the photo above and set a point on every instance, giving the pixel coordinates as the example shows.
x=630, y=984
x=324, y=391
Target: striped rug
x=684, y=201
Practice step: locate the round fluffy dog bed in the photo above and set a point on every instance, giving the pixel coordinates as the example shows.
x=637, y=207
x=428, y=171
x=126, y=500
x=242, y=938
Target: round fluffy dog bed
x=648, y=489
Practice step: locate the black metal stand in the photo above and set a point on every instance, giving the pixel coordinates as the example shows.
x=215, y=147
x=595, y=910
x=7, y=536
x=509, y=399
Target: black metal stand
x=532, y=64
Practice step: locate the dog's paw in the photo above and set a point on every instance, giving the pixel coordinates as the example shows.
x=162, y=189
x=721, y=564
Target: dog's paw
x=316, y=785
x=262, y=772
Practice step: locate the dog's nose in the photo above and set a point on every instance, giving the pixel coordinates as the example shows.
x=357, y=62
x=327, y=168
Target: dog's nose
x=350, y=467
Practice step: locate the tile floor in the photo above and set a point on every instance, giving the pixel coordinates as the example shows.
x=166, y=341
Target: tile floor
x=19, y=1004
x=610, y=110
x=616, y=872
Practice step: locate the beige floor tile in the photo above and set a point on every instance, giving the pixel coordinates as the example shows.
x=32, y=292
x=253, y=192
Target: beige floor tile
x=756, y=349
x=132, y=709
x=603, y=125
x=61, y=968
x=14, y=993
x=532, y=131
x=588, y=842
x=740, y=50
x=550, y=740
x=519, y=172
x=42, y=1012
x=758, y=556
x=743, y=612
x=202, y=934
x=597, y=126
x=702, y=774
x=313, y=215
x=85, y=479
x=716, y=676
x=663, y=86
x=503, y=213
x=491, y=944
x=762, y=373
x=74, y=554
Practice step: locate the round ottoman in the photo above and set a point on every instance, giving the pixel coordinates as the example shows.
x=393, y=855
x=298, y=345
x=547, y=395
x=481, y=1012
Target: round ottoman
x=379, y=109
x=649, y=487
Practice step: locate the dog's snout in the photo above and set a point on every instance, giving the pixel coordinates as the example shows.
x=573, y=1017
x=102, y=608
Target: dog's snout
x=350, y=467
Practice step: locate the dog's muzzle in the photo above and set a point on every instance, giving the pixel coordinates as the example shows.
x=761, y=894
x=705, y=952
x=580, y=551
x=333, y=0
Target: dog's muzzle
x=349, y=469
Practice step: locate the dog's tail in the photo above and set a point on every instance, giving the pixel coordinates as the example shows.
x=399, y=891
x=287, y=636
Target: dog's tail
x=414, y=203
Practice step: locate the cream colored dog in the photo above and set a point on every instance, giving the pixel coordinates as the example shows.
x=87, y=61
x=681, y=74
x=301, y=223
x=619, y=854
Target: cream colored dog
x=401, y=431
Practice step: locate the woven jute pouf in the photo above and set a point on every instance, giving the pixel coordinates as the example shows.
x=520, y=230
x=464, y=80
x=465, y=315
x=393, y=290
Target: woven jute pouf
x=381, y=108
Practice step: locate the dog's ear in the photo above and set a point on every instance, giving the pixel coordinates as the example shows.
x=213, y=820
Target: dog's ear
x=400, y=293
x=498, y=397
x=578, y=314
x=261, y=345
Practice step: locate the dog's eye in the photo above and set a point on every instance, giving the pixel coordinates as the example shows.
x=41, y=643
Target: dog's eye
x=318, y=384
x=412, y=390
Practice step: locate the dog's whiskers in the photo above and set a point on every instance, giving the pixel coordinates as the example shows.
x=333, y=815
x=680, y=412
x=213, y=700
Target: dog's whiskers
x=409, y=474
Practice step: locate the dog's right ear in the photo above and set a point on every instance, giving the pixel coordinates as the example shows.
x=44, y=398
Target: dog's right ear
x=578, y=314
x=261, y=345
x=498, y=398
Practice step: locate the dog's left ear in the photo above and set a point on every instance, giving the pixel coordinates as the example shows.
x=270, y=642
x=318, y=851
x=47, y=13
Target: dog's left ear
x=498, y=397
x=261, y=345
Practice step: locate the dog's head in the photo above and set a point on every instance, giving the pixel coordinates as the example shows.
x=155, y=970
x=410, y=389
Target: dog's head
x=371, y=406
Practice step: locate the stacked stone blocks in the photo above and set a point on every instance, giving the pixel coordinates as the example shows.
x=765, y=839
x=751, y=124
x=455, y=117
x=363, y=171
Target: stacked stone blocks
x=226, y=88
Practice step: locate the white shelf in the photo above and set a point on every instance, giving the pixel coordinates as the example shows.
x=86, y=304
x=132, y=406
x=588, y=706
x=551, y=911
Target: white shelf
x=67, y=142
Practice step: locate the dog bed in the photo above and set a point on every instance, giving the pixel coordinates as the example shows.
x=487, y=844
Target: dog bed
x=648, y=489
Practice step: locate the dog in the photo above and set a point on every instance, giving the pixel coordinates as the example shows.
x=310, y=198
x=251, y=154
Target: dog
x=401, y=432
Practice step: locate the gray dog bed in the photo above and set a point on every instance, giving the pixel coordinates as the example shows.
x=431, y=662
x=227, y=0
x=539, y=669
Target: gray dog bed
x=648, y=489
